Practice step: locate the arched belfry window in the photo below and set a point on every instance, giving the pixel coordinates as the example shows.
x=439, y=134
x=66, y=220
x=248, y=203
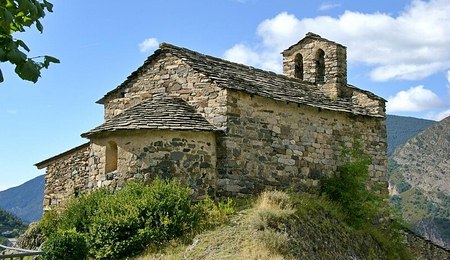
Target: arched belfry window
x=298, y=70
x=320, y=66
x=111, y=157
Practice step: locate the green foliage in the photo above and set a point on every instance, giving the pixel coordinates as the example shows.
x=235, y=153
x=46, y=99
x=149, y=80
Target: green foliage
x=348, y=188
x=124, y=223
x=138, y=215
x=15, y=16
x=79, y=212
x=49, y=223
x=68, y=245
x=11, y=225
x=213, y=213
x=361, y=206
x=3, y=240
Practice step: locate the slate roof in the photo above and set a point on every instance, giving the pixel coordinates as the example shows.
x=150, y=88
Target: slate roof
x=163, y=112
x=255, y=81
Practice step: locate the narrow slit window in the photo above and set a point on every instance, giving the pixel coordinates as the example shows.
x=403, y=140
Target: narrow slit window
x=320, y=66
x=298, y=70
x=111, y=157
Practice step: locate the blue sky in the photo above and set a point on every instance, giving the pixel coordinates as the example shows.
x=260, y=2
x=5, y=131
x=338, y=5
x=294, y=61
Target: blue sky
x=396, y=49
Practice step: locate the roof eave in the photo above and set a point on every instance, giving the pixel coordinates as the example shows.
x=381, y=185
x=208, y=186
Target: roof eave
x=106, y=132
x=48, y=161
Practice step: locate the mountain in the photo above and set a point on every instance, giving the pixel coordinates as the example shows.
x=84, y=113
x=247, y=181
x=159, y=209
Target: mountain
x=401, y=128
x=419, y=182
x=25, y=200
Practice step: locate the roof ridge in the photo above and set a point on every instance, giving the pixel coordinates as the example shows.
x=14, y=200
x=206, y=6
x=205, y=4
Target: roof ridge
x=166, y=46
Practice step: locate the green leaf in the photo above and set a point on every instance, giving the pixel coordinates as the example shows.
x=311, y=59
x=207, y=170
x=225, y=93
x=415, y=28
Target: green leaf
x=1, y=76
x=8, y=17
x=49, y=6
x=32, y=9
x=27, y=21
x=9, y=4
x=16, y=57
x=52, y=59
x=3, y=55
x=48, y=59
x=40, y=10
x=23, y=45
x=29, y=71
x=39, y=26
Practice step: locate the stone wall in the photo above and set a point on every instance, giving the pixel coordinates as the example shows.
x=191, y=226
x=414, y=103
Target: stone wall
x=169, y=74
x=272, y=144
x=66, y=176
x=189, y=156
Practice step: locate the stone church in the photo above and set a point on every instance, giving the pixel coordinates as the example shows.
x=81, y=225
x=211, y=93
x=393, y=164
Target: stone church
x=226, y=129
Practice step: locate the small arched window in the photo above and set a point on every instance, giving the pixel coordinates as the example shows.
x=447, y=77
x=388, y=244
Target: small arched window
x=320, y=66
x=298, y=70
x=111, y=157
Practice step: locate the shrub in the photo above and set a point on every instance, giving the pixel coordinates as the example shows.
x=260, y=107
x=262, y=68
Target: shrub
x=349, y=190
x=49, y=223
x=139, y=215
x=213, y=213
x=78, y=212
x=66, y=245
x=121, y=224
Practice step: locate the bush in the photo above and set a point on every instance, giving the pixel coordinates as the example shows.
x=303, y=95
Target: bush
x=213, y=213
x=49, y=223
x=65, y=245
x=349, y=190
x=79, y=211
x=121, y=224
x=125, y=223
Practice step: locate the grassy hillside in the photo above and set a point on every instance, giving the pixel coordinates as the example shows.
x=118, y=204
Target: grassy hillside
x=25, y=200
x=278, y=226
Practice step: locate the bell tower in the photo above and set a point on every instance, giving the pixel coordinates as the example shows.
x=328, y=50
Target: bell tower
x=317, y=60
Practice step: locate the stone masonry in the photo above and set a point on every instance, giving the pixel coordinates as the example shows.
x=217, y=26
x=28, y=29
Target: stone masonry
x=142, y=156
x=66, y=175
x=226, y=129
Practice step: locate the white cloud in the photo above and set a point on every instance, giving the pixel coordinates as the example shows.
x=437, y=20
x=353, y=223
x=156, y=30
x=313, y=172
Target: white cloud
x=327, y=6
x=438, y=116
x=411, y=45
x=148, y=45
x=405, y=71
x=415, y=99
x=242, y=54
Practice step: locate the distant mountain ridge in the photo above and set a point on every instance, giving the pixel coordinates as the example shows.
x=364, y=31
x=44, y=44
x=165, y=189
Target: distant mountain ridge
x=401, y=128
x=25, y=201
x=419, y=182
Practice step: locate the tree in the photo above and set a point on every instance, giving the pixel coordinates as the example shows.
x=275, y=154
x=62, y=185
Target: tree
x=15, y=15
